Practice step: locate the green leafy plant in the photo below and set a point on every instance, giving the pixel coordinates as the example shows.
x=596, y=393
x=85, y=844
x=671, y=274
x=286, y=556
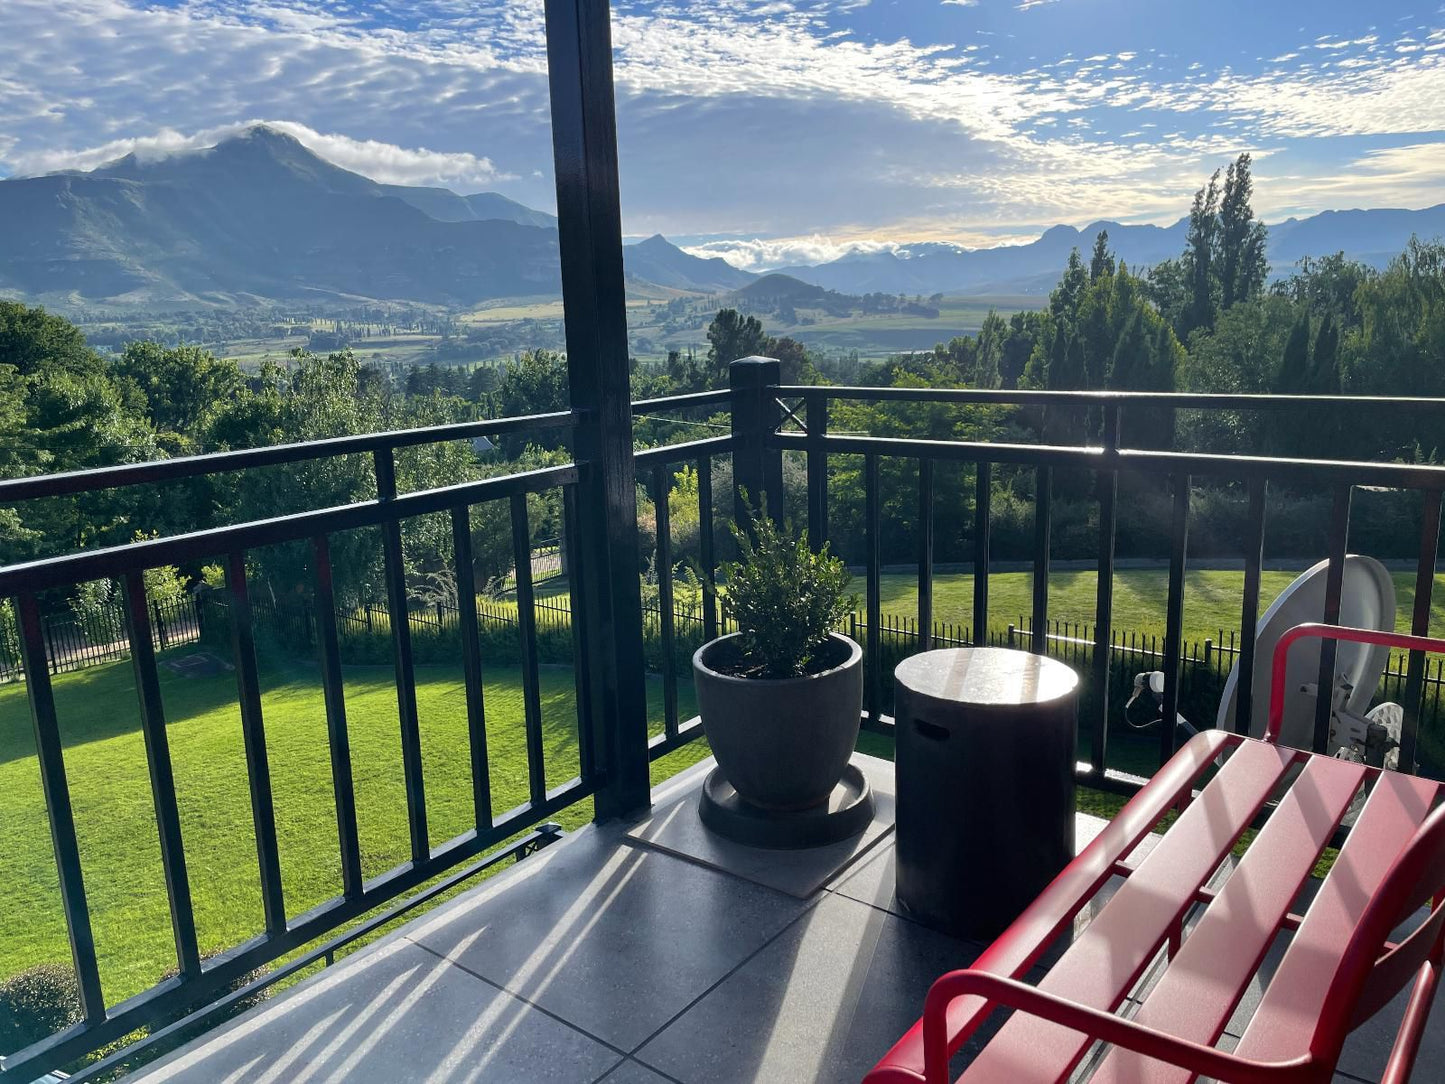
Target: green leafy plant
x=784, y=598
x=35, y=1004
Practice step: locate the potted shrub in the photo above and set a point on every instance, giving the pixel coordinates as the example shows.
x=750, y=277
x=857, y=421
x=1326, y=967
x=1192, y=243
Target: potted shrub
x=781, y=699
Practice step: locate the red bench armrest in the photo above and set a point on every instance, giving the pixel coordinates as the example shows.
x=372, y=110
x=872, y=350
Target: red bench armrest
x=999, y=990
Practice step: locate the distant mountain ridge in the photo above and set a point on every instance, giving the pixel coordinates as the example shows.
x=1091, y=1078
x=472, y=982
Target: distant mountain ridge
x=657, y=260
x=259, y=217
x=446, y=206
x=1371, y=236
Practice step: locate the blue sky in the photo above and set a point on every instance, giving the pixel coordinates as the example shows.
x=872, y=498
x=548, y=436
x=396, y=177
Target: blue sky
x=772, y=131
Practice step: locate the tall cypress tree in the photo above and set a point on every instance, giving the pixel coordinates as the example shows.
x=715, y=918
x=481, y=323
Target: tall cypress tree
x=1325, y=368
x=1199, y=257
x=1102, y=261
x=1293, y=375
x=1240, y=259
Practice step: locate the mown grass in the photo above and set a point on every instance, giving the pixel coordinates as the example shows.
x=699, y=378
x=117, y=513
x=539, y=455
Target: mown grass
x=110, y=793
x=110, y=788
x=1211, y=598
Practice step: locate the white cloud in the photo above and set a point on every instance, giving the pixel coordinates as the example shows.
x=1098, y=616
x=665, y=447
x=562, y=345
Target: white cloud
x=901, y=132
x=759, y=254
x=391, y=164
x=1405, y=176
x=384, y=162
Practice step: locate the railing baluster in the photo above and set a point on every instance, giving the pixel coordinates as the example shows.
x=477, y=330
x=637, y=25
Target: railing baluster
x=527, y=631
x=663, y=513
x=338, y=738
x=706, y=547
x=1420, y=626
x=817, y=469
x=472, y=665
x=577, y=622
x=56, y=788
x=982, y=504
x=1249, y=608
x=163, y=783
x=1043, y=520
x=872, y=529
x=253, y=734
x=405, y=674
x=925, y=554
x=1108, y=486
x=1334, y=590
x=1174, y=617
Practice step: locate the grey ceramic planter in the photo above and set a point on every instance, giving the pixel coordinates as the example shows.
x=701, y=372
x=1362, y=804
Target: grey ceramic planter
x=781, y=742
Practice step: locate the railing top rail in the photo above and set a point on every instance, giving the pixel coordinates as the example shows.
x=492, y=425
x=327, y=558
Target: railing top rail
x=191, y=466
x=72, y=568
x=1210, y=400
x=1325, y=471
x=720, y=397
x=676, y=453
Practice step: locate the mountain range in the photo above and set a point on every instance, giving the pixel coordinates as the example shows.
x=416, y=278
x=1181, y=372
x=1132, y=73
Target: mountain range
x=259, y=217
x=1370, y=236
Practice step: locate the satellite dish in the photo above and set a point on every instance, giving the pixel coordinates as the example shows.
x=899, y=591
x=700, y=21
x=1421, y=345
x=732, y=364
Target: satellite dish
x=1367, y=601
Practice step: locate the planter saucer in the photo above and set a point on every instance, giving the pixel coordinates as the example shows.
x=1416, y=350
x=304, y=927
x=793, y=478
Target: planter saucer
x=847, y=812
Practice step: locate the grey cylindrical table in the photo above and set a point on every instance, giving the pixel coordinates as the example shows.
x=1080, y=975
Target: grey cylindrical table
x=985, y=778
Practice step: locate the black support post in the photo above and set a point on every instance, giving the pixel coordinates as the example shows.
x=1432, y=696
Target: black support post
x=757, y=469
x=817, y=470
x=589, y=223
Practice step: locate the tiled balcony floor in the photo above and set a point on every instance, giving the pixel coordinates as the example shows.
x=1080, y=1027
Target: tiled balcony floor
x=602, y=960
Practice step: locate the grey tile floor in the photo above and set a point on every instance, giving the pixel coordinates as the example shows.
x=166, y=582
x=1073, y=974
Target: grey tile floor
x=602, y=960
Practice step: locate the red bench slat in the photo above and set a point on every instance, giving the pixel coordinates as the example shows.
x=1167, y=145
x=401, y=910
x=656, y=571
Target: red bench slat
x=1024, y=942
x=1204, y=982
x=1285, y=1020
x=1109, y=957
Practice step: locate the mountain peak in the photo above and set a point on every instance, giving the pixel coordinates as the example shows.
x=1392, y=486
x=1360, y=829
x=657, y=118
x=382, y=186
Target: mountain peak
x=263, y=141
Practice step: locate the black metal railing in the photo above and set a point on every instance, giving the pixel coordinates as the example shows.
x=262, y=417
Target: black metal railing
x=47, y=647
x=756, y=444
x=762, y=399
x=104, y=1022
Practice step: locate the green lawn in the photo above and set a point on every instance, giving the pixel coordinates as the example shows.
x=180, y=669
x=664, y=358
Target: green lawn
x=1211, y=598
x=110, y=791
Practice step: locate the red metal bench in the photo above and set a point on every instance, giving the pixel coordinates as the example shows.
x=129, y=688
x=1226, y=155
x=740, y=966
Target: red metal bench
x=1339, y=968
